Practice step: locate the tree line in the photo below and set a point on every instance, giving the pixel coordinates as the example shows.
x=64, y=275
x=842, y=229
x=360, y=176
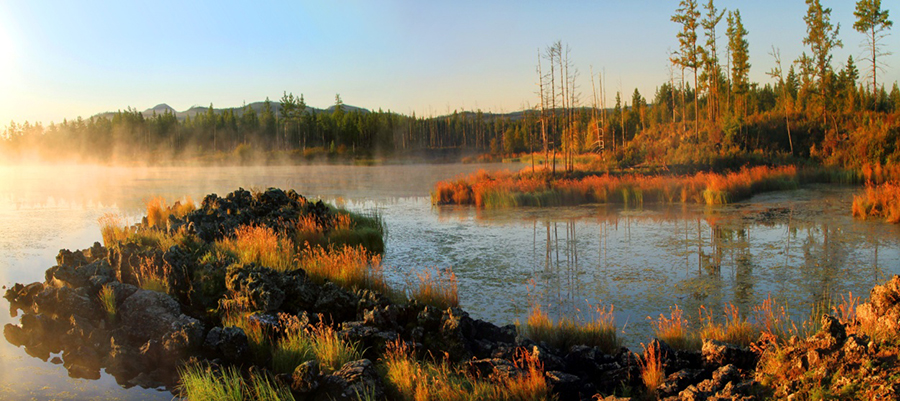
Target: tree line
x=707, y=105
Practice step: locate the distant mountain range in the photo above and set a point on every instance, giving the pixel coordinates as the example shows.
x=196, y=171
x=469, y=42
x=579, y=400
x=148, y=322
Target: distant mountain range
x=238, y=111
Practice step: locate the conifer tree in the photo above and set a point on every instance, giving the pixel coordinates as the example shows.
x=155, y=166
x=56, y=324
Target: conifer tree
x=687, y=15
x=873, y=22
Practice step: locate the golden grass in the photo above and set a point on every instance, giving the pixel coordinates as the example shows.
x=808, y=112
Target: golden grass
x=330, y=350
x=675, y=330
x=652, y=372
x=107, y=299
x=201, y=383
x=733, y=329
x=153, y=275
x=112, y=229
x=566, y=332
x=504, y=189
x=411, y=380
x=879, y=201
x=260, y=245
x=438, y=288
x=158, y=212
x=348, y=267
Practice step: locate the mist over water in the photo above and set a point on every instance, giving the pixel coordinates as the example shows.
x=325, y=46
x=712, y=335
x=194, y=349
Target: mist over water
x=797, y=246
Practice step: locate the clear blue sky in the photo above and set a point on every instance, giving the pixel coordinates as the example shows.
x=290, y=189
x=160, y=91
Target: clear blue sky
x=63, y=59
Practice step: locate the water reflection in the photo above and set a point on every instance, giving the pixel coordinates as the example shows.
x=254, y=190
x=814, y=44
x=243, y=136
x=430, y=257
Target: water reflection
x=799, y=248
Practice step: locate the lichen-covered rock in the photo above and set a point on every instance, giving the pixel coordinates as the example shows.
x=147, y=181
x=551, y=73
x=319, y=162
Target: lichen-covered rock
x=305, y=378
x=256, y=287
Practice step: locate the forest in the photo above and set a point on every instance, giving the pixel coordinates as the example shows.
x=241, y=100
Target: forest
x=707, y=115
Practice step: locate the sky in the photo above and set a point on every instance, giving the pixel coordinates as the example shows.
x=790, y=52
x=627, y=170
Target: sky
x=64, y=59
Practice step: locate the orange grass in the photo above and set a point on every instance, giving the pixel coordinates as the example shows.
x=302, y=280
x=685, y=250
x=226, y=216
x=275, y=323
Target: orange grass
x=158, y=212
x=348, y=267
x=153, y=274
x=675, y=331
x=652, y=372
x=879, y=201
x=439, y=289
x=733, y=329
x=260, y=245
x=112, y=229
x=505, y=189
x=566, y=332
x=409, y=379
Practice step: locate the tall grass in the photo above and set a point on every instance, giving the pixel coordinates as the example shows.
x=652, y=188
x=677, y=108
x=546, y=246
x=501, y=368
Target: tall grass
x=348, y=267
x=153, y=274
x=438, y=288
x=409, y=379
x=158, y=212
x=320, y=342
x=112, y=229
x=733, y=328
x=562, y=334
x=260, y=245
x=201, y=383
x=652, y=371
x=505, y=189
x=107, y=299
x=879, y=201
x=675, y=330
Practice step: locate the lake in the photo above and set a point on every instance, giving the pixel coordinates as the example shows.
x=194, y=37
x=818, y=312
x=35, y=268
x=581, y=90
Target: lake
x=795, y=246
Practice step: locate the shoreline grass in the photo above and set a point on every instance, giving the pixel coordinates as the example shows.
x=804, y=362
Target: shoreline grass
x=506, y=189
x=566, y=332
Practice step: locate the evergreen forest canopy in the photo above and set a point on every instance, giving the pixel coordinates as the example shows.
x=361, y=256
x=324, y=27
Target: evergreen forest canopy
x=707, y=113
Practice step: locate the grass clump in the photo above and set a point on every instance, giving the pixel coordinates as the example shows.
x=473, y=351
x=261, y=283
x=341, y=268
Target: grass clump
x=733, y=329
x=112, y=229
x=107, y=299
x=201, y=383
x=258, y=335
x=438, y=288
x=652, y=372
x=675, y=330
x=409, y=379
x=158, y=212
x=348, y=267
x=153, y=275
x=562, y=334
x=320, y=342
x=879, y=201
x=260, y=245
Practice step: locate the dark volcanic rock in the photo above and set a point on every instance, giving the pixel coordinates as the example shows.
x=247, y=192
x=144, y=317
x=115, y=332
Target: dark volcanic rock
x=228, y=343
x=351, y=383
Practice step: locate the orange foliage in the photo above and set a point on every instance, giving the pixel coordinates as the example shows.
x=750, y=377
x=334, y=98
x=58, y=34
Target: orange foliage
x=879, y=201
x=484, y=189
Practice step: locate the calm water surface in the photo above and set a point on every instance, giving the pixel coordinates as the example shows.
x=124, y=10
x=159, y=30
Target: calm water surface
x=796, y=246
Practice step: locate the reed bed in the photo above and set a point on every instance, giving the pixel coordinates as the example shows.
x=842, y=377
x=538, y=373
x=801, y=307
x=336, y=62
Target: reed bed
x=505, y=189
x=732, y=329
x=112, y=229
x=879, y=201
x=566, y=332
x=158, y=212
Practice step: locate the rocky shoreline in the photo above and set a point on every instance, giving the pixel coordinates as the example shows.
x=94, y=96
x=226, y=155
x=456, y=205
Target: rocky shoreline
x=152, y=334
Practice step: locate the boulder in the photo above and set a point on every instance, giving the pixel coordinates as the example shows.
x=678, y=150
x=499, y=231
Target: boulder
x=717, y=353
x=228, y=343
x=354, y=381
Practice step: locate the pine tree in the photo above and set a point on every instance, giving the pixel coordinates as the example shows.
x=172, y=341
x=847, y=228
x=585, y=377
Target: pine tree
x=822, y=39
x=873, y=22
x=711, y=57
x=740, y=59
x=687, y=16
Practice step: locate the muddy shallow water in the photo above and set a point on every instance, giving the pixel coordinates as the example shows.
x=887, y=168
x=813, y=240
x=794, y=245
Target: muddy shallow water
x=796, y=246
